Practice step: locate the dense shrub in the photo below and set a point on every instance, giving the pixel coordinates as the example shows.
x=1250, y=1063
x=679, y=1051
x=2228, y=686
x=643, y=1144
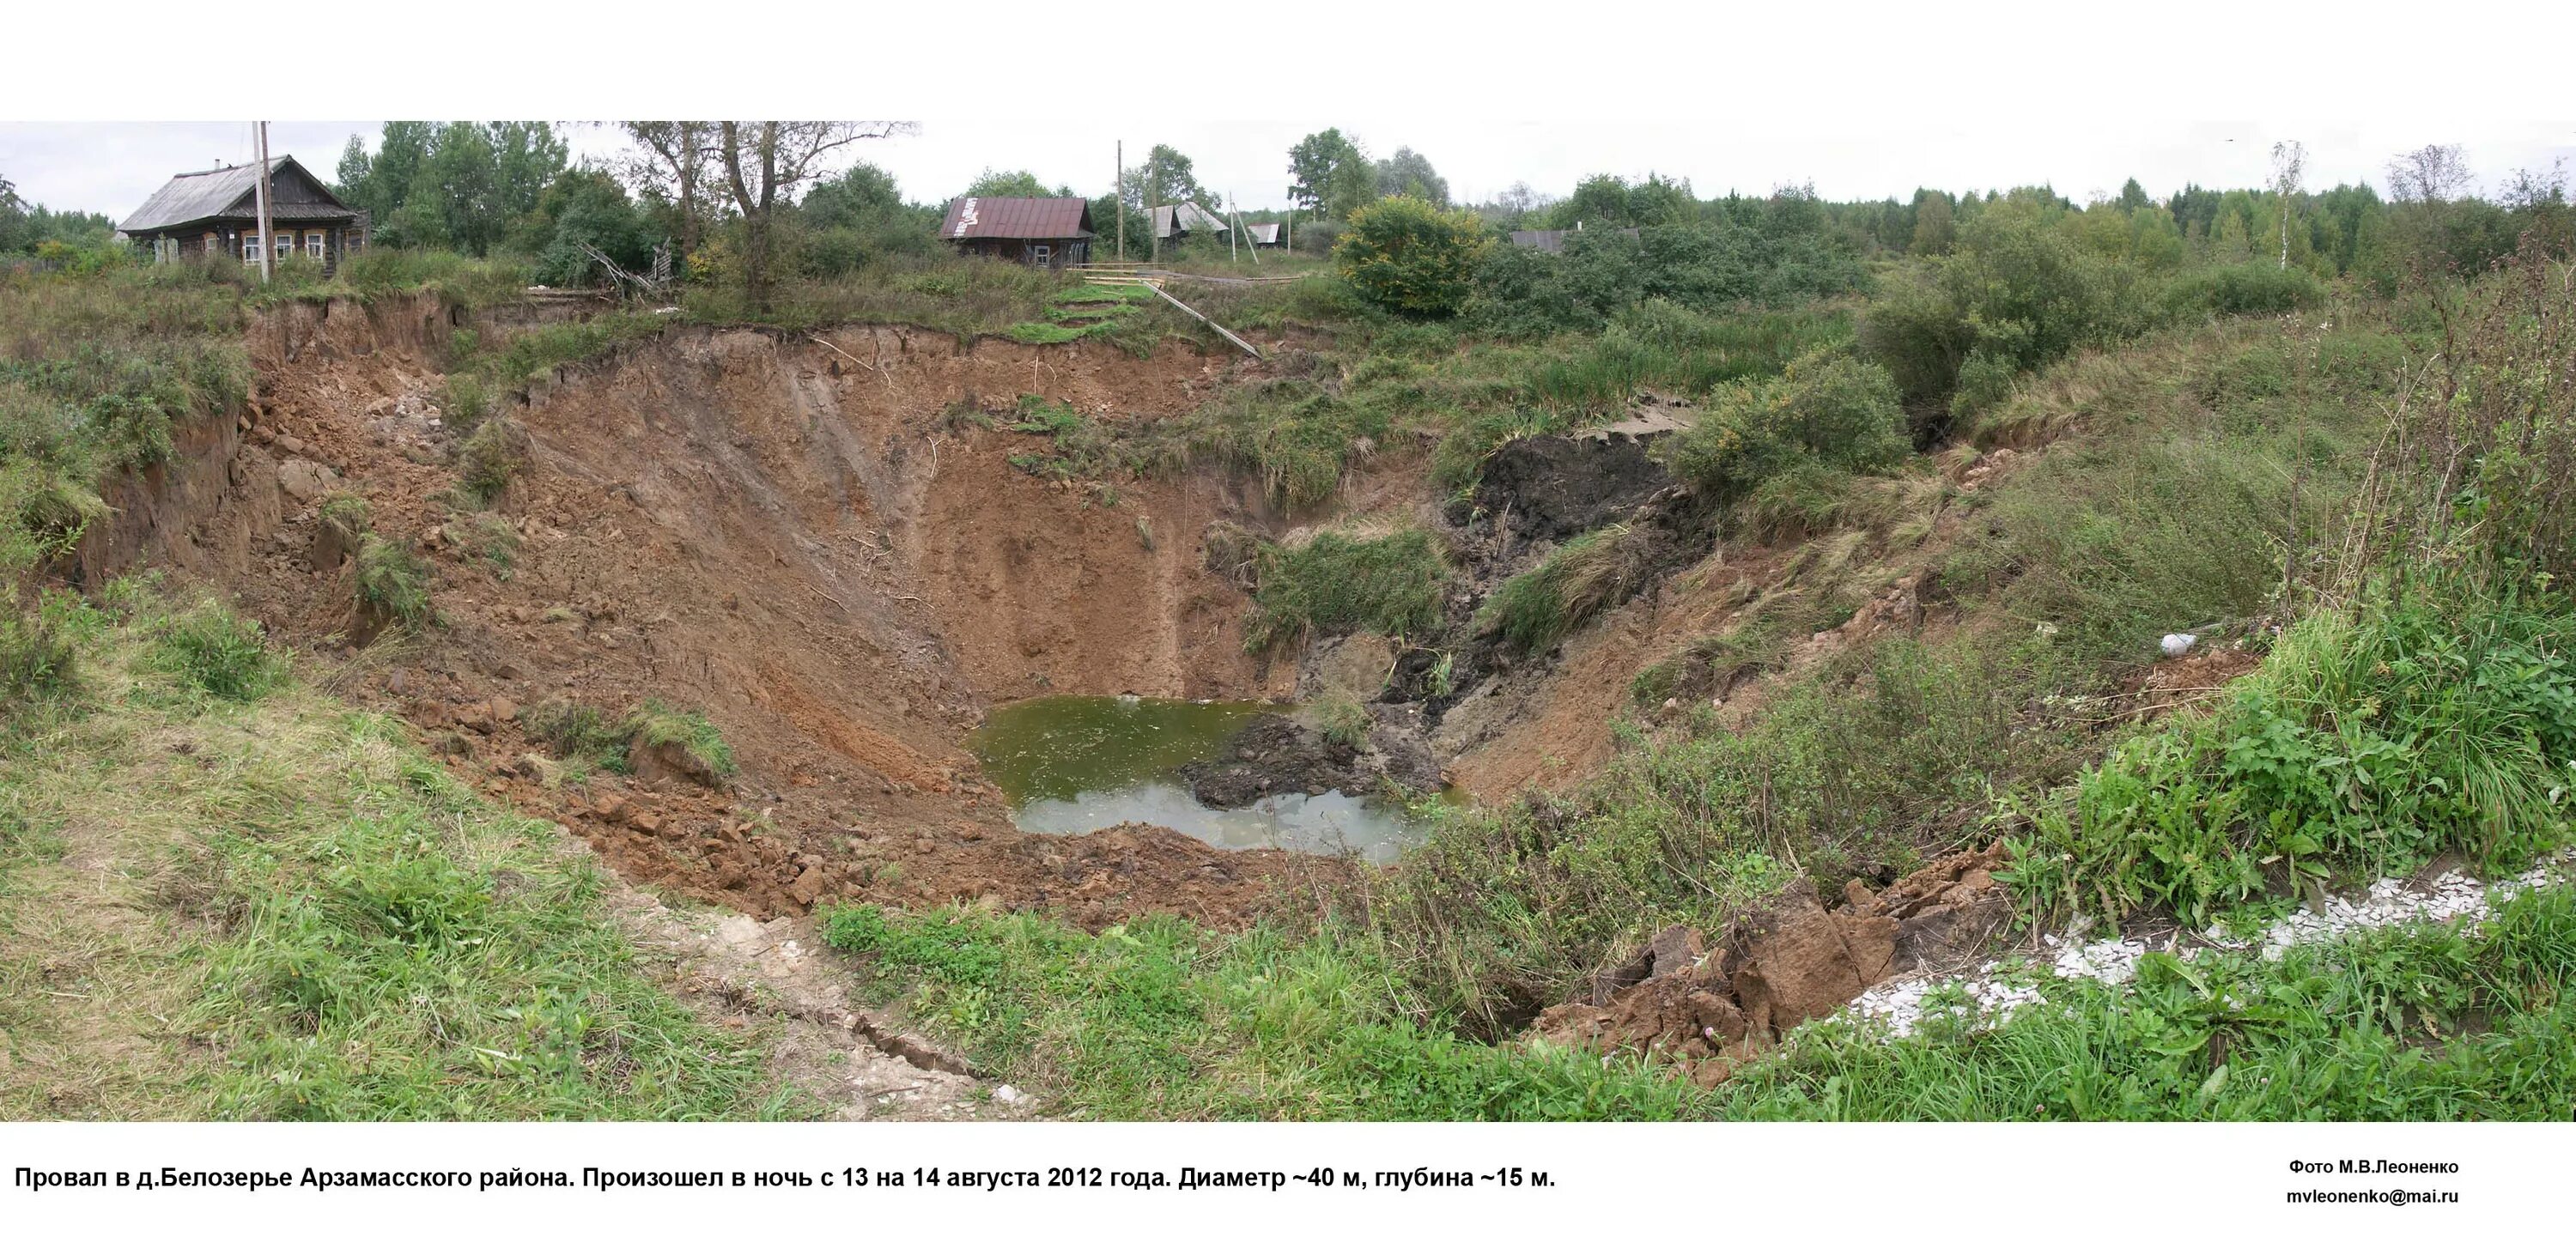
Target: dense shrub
x=1828, y=409
x=2018, y=294
x=1521, y=291
x=491, y=457
x=1410, y=257
x=2256, y=288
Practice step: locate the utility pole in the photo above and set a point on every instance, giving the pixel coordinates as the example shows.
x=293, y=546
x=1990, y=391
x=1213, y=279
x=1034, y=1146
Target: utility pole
x=1231, y=254
x=1119, y=188
x=267, y=248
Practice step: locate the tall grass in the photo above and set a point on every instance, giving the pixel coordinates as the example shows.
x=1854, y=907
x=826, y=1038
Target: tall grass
x=285, y=911
x=1337, y=583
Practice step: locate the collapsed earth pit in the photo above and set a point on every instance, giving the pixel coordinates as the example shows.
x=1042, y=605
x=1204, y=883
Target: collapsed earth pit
x=792, y=536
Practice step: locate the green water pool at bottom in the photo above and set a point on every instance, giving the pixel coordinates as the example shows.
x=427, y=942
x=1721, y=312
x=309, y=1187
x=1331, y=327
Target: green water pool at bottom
x=1075, y=763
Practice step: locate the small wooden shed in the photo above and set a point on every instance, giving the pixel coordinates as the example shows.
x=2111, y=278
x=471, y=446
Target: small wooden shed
x=1176, y=221
x=1047, y=233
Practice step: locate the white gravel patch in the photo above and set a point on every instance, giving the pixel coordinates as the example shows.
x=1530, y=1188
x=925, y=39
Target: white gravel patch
x=1994, y=990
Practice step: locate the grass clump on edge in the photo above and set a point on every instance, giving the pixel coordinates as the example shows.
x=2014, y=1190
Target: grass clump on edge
x=1341, y=720
x=487, y=460
x=1337, y=583
x=2371, y=741
x=656, y=724
x=577, y=731
x=1538, y=607
x=307, y=918
x=39, y=654
x=392, y=583
x=210, y=647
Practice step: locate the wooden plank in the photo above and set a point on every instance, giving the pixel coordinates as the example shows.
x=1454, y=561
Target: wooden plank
x=1194, y=314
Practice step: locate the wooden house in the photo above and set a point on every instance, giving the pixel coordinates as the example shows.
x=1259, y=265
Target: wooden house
x=217, y=212
x=1047, y=233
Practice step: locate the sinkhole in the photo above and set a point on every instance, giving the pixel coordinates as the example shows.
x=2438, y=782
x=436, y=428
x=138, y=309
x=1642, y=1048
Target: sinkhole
x=1076, y=763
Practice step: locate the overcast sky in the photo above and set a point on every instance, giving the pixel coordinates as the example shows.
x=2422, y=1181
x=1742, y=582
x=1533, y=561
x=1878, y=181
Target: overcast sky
x=1877, y=100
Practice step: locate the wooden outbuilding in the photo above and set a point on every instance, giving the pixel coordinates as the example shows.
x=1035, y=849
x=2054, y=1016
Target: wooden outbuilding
x=1175, y=222
x=216, y=212
x=1047, y=233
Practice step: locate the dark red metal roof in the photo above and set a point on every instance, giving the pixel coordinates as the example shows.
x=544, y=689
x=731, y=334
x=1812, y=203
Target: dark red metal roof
x=1016, y=218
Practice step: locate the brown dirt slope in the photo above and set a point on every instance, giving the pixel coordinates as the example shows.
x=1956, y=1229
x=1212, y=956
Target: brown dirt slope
x=785, y=534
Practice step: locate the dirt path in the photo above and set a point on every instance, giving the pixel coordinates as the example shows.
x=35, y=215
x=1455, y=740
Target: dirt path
x=776, y=976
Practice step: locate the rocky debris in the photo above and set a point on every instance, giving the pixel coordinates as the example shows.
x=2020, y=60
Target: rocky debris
x=302, y=480
x=1984, y=469
x=1945, y=912
x=1705, y=1008
x=1278, y=754
x=1354, y=666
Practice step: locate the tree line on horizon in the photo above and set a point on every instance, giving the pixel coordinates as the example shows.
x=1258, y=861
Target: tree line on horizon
x=779, y=197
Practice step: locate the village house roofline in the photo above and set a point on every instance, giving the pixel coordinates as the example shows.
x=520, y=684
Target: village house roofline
x=217, y=193
x=1046, y=219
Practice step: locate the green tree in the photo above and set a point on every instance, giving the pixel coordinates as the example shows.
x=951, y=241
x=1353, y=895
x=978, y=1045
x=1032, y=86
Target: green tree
x=1410, y=257
x=586, y=207
x=672, y=166
x=527, y=156
x=1323, y=169
x=2133, y=196
x=13, y=218
x=1599, y=201
x=1164, y=178
x=1012, y=185
x=1409, y=172
x=461, y=184
x=1934, y=231
x=764, y=162
x=861, y=194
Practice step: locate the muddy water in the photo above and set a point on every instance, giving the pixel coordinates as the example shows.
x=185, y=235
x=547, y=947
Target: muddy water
x=1075, y=763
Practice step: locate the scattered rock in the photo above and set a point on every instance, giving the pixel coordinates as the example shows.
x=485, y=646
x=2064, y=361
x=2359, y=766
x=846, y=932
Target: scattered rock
x=808, y=886
x=305, y=481
x=1679, y=1001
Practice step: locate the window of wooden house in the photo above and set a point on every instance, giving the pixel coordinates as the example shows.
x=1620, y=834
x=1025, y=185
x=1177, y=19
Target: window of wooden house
x=1041, y=253
x=313, y=244
x=250, y=248
x=285, y=244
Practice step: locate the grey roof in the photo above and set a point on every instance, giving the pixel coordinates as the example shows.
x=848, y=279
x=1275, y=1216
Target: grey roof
x=1262, y=234
x=1191, y=218
x=224, y=192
